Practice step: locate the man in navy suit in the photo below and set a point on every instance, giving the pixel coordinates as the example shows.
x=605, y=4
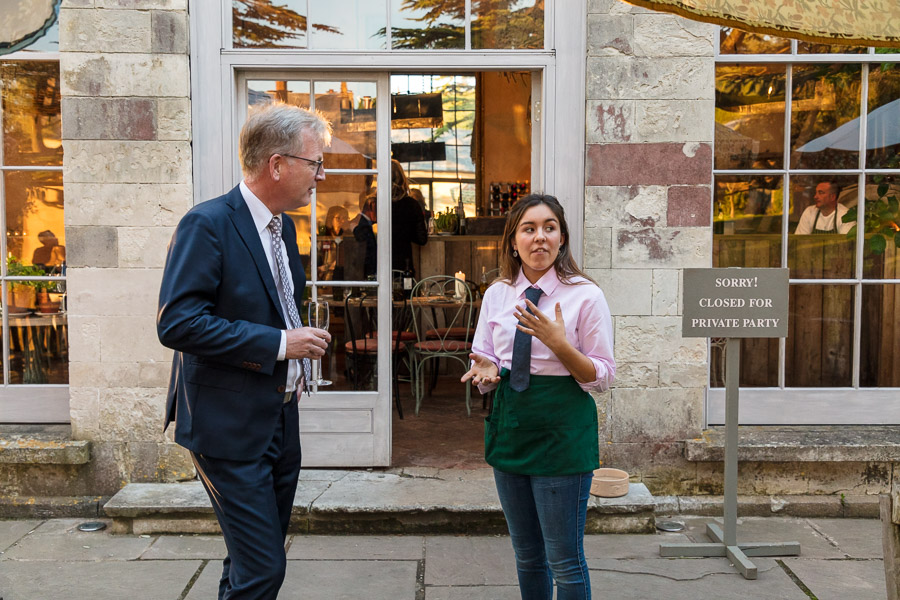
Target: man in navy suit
x=241, y=355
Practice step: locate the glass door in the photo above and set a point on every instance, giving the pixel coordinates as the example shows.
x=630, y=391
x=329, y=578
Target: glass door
x=346, y=260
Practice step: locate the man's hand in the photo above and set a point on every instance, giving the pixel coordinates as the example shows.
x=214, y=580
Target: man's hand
x=306, y=342
x=482, y=371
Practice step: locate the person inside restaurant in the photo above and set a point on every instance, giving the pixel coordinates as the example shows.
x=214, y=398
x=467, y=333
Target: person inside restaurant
x=407, y=221
x=50, y=255
x=824, y=216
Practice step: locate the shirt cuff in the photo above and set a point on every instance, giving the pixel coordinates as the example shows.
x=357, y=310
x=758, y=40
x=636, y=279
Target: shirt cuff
x=282, y=347
x=601, y=383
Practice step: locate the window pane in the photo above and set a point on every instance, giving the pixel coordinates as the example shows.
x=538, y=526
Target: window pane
x=826, y=102
x=819, y=247
x=38, y=344
x=507, y=24
x=350, y=108
x=269, y=23
x=759, y=362
x=304, y=236
x=353, y=258
x=883, y=120
x=819, y=345
x=811, y=48
x=431, y=27
x=35, y=230
x=880, y=342
x=750, y=116
x=348, y=24
x=263, y=91
x=747, y=222
x=31, y=124
x=737, y=41
x=881, y=254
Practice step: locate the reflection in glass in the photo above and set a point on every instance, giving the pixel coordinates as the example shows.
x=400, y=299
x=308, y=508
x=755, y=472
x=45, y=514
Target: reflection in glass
x=813, y=48
x=879, y=351
x=507, y=24
x=31, y=123
x=819, y=247
x=737, y=41
x=269, y=23
x=883, y=119
x=819, y=346
x=825, y=98
x=350, y=108
x=38, y=333
x=348, y=201
x=882, y=246
x=750, y=116
x=35, y=228
x=293, y=92
x=417, y=25
x=348, y=24
x=747, y=221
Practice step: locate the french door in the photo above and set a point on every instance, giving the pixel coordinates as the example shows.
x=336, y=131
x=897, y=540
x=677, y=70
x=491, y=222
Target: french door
x=348, y=423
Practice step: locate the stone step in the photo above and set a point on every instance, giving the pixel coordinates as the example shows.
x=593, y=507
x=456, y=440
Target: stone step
x=448, y=501
x=827, y=443
x=47, y=446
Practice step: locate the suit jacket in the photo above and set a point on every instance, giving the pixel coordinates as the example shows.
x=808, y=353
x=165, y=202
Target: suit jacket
x=364, y=233
x=219, y=310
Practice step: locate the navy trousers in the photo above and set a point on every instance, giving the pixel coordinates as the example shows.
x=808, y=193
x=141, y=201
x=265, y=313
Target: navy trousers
x=252, y=501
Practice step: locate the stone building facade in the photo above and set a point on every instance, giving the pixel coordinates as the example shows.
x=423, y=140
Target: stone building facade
x=649, y=126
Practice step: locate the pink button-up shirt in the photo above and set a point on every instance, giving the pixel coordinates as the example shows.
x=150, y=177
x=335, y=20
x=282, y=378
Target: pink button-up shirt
x=585, y=312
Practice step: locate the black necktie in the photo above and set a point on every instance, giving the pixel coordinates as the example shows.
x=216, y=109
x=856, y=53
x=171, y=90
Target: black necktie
x=520, y=372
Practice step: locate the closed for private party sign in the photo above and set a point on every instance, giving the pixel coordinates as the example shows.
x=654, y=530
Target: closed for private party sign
x=736, y=303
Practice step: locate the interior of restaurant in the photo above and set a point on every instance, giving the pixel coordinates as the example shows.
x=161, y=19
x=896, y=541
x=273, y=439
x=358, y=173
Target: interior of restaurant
x=463, y=143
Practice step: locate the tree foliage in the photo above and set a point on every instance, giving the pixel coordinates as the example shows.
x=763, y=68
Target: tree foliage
x=263, y=24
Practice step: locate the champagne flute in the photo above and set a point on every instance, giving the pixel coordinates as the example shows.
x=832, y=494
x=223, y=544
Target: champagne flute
x=318, y=317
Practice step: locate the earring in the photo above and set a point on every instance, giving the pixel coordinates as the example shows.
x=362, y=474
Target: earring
x=515, y=253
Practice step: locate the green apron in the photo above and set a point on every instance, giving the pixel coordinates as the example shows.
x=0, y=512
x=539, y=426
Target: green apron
x=549, y=429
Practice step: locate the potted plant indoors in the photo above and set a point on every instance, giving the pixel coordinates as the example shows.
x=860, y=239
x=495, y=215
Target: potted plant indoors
x=26, y=295
x=445, y=222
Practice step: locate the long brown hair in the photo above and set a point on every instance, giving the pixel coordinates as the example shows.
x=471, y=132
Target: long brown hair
x=510, y=265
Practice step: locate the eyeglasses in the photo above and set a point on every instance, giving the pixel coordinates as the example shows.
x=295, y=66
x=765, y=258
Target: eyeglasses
x=318, y=163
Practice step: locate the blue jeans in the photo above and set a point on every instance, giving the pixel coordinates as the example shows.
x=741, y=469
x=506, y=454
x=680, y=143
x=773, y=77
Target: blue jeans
x=545, y=516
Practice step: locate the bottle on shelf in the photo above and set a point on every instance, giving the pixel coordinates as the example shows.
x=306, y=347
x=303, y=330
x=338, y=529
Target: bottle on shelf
x=460, y=216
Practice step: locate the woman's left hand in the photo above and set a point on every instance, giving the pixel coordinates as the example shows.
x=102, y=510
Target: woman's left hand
x=551, y=332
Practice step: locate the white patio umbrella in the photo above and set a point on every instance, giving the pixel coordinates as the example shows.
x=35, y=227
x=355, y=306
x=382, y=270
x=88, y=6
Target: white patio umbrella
x=882, y=130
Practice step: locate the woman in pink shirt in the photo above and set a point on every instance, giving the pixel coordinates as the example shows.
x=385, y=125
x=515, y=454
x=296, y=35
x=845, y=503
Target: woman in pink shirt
x=544, y=340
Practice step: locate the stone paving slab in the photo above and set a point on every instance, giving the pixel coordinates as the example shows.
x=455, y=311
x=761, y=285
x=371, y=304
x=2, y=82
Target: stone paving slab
x=469, y=560
x=689, y=579
x=629, y=545
x=772, y=530
x=856, y=538
x=329, y=580
x=841, y=579
x=144, y=580
x=487, y=592
x=59, y=540
x=11, y=531
x=180, y=547
x=356, y=547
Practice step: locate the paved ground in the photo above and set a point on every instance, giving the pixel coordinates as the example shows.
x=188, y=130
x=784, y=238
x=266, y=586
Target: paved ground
x=49, y=560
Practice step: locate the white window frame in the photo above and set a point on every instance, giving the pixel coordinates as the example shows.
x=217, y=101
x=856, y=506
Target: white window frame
x=26, y=402
x=559, y=168
x=814, y=406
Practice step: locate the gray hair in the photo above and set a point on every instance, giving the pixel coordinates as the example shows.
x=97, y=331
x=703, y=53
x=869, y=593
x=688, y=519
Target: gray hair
x=278, y=128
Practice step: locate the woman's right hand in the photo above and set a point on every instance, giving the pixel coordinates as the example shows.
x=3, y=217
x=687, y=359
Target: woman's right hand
x=483, y=371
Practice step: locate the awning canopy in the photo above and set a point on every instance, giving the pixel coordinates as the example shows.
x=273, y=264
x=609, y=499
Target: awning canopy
x=24, y=21
x=866, y=22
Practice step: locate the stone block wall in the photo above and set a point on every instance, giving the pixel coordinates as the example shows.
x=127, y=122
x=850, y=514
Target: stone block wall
x=127, y=177
x=650, y=120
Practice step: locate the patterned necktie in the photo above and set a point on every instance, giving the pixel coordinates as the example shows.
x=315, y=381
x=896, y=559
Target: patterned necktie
x=520, y=372
x=294, y=321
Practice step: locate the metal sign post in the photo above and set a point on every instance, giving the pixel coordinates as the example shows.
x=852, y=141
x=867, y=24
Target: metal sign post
x=734, y=304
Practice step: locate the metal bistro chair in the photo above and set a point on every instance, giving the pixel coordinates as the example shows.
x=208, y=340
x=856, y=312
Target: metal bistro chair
x=437, y=310
x=361, y=315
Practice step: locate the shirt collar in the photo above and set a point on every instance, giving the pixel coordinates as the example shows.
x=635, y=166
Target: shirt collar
x=547, y=283
x=262, y=216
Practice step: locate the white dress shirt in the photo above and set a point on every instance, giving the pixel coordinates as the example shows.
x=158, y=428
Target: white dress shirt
x=262, y=216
